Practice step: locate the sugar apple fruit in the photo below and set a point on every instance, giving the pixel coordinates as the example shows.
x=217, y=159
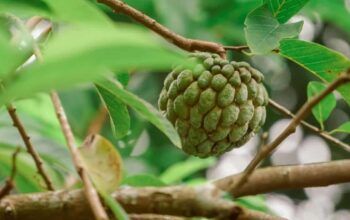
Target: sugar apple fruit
x=216, y=105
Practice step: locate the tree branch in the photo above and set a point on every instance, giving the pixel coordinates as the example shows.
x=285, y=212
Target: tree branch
x=302, y=113
x=6, y=189
x=288, y=177
x=174, y=201
x=178, y=40
x=311, y=127
x=178, y=200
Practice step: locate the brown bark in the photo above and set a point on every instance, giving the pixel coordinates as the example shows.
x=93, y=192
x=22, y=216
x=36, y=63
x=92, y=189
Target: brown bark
x=178, y=200
x=288, y=177
x=72, y=205
x=174, y=201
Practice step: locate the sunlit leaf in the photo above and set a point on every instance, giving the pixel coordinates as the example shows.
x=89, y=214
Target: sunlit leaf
x=118, y=112
x=344, y=128
x=142, y=180
x=325, y=63
x=283, y=10
x=263, y=31
x=24, y=7
x=143, y=108
x=70, y=58
x=102, y=162
x=181, y=170
x=78, y=11
x=324, y=108
x=12, y=55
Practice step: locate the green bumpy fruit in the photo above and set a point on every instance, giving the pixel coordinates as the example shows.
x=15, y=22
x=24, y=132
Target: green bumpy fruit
x=215, y=106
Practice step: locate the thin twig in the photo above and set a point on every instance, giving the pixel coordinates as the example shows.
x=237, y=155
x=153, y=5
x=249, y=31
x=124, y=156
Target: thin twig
x=30, y=148
x=311, y=127
x=236, y=48
x=302, y=113
x=98, y=121
x=6, y=189
x=178, y=40
x=90, y=192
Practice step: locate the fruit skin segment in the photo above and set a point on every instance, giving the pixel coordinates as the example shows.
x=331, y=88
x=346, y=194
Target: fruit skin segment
x=215, y=106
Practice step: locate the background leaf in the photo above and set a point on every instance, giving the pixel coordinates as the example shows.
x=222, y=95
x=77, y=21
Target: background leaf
x=263, y=32
x=283, y=10
x=27, y=179
x=325, y=63
x=102, y=162
x=118, y=112
x=324, y=108
x=325, y=10
x=344, y=128
x=181, y=170
x=143, y=108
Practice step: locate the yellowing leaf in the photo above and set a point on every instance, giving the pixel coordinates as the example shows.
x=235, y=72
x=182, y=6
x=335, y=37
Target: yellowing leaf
x=102, y=162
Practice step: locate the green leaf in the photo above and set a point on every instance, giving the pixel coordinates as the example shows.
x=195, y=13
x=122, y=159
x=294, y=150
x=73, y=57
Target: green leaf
x=24, y=8
x=344, y=128
x=102, y=162
x=70, y=58
x=13, y=55
x=118, y=211
x=78, y=11
x=143, y=108
x=253, y=202
x=118, y=112
x=325, y=63
x=181, y=170
x=123, y=78
x=325, y=10
x=324, y=108
x=263, y=32
x=283, y=10
x=142, y=180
